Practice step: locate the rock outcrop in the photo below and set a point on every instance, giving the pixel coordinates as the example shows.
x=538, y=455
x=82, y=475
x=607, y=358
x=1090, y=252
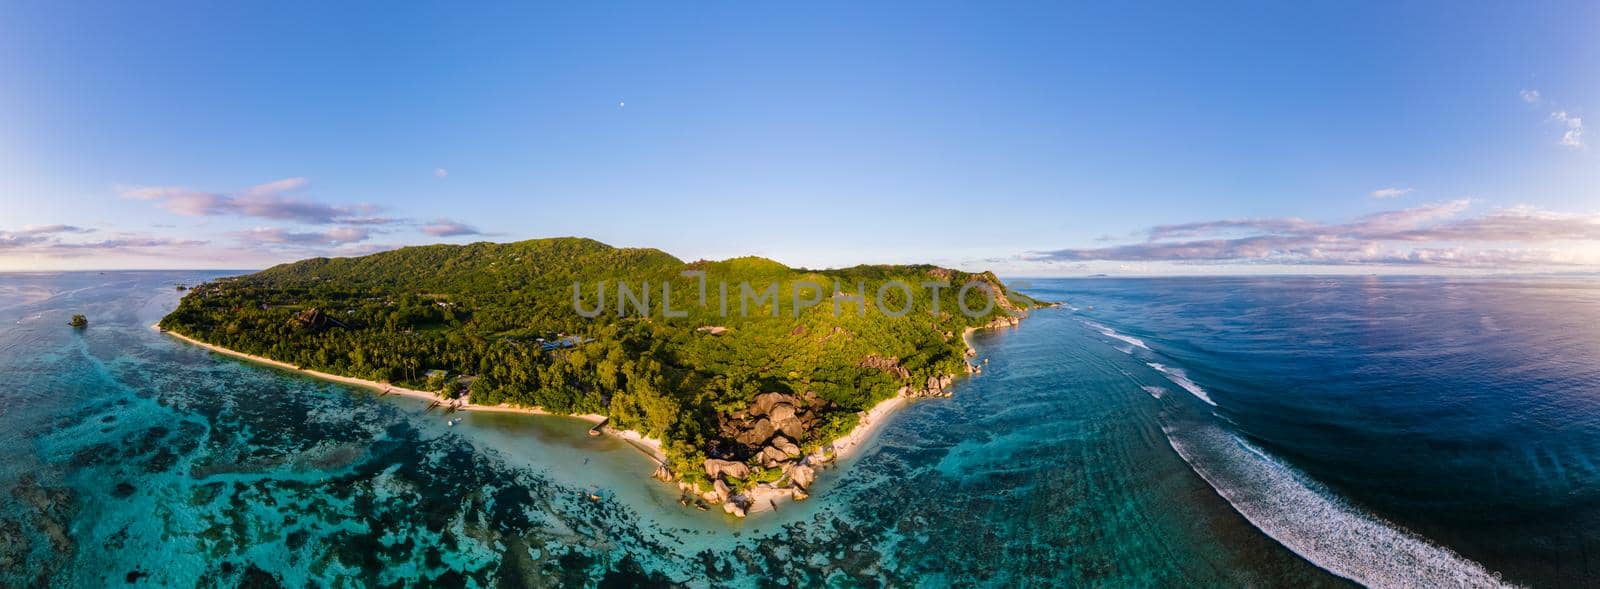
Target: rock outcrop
x=662, y=474
x=717, y=468
x=769, y=432
x=788, y=448
x=772, y=457
x=935, y=386
x=890, y=365
x=771, y=415
x=801, y=475
x=756, y=433
x=1003, y=321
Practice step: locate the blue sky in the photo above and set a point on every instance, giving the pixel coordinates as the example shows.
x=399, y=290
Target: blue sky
x=1031, y=138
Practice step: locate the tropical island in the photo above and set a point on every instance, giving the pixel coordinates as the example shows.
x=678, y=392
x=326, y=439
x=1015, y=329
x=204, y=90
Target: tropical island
x=79, y=322
x=742, y=376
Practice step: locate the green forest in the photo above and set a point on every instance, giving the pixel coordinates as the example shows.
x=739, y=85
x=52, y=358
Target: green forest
x=498, y=323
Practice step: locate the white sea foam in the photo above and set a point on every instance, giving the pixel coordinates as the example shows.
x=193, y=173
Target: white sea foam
x=1309, y=519
x=1156, y=392
x=1112, y=333
x=1181, y=378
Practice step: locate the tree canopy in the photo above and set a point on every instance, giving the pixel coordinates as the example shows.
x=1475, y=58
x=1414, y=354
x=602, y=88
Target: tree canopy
x=508, y=322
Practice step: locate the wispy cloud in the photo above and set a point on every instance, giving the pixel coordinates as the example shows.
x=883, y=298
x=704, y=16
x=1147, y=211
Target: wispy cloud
x=15, y=240
x=52, y=241
x=303, y=227
x=440, y=172
x=1390, y=192
x=1225, y=226
x=1437, y=233
x=448, y=228
x=371, y=220
x=280, y=236
x=52, y=229
x=1571, y=124
x=276, y=200
x=1573, y=137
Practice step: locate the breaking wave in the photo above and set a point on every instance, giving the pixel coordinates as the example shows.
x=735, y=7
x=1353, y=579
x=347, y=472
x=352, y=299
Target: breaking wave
x=1315, y=523
x=1181, y=378
x=1294, y=509
x=1112, y=333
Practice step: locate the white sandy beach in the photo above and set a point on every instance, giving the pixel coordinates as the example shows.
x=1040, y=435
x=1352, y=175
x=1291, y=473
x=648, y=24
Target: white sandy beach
x=648, y=445
x=848, y=444
x=843, y=447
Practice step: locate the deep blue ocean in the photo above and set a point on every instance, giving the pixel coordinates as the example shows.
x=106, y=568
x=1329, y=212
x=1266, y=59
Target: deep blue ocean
x=1301, y=431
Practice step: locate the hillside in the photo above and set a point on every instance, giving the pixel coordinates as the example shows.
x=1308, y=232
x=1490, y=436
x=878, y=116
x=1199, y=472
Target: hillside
x=731, y=381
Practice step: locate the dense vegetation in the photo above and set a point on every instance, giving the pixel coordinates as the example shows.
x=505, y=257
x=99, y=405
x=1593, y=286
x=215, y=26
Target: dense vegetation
x=498, y=320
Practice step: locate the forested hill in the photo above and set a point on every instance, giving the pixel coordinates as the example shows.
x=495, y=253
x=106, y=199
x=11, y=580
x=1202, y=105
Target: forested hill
x=498, y=322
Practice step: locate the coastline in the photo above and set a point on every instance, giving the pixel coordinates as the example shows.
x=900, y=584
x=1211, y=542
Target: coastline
x=847, y=445
x=759, y=498
x=647, y=445
x=769, y=496
x=871, y=419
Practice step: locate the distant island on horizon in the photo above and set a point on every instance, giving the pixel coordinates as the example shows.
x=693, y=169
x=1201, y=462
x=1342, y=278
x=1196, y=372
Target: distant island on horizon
x=741, y=377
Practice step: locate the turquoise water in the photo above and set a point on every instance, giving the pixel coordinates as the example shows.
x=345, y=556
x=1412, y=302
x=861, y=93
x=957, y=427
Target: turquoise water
x=130, y=457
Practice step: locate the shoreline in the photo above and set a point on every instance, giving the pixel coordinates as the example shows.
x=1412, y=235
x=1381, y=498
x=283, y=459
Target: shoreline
x=649, y=446
x=846, y=445
x=768, y=497
x=760, y=498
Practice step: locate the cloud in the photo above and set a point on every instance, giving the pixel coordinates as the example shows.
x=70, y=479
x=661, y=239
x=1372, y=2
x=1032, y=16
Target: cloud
x=1572, y=133
x=275, y=187
x=10, y=240
x=178, y=199
x=52, y=229
x=274, y=200
x=1390, y=192
x=48, y=241
x=1227, y=225
x=371, y=220
x=129, y=242
x=1573, y=137
x=440, y=172
x=448, y=228
x=280, y=236
x=1377, y=225
x=1436, y=233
